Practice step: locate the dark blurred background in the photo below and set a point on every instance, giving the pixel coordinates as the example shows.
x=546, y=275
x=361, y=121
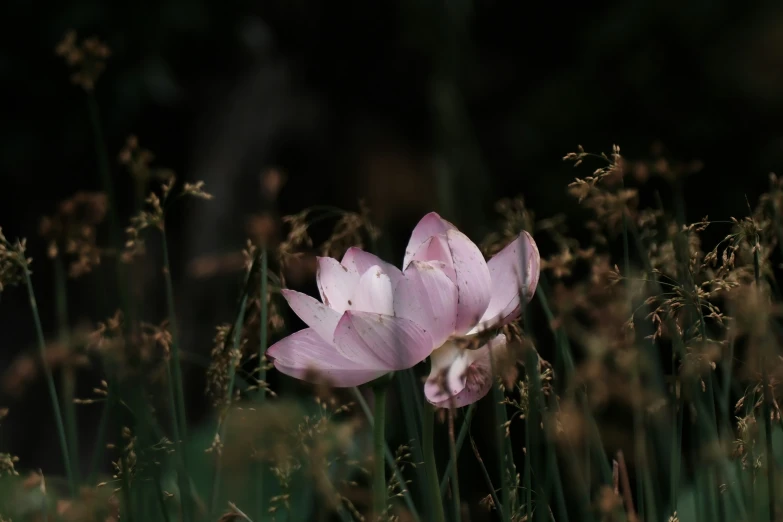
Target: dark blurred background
x=410, y=105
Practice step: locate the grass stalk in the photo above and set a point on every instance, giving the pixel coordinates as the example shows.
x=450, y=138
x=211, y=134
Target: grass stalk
x=463, y=433
x=501, y=442
x=100, y=439
x=487, y=479
x=235, y=342
x=388, y=455
x=104, y=170
x=68, y=376
x=55, y=400
x=428, y=434
x=766, y=404
x=528, y=481
x=177, y=393
x=379, y=445
x=411, y=398
x=454, y=475
x=263, y=334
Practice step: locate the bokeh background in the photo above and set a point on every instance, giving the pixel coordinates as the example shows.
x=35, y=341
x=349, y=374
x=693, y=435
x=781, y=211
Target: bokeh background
x=411, y=106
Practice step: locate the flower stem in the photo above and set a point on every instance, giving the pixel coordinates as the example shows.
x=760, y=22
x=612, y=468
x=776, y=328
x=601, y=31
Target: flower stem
x=379, y=444
x=429, y=461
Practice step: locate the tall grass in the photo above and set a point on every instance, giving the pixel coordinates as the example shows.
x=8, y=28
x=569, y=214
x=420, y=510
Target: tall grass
x=660, y=404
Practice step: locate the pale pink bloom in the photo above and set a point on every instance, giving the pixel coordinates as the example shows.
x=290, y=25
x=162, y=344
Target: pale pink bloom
x=375, y=319
x=354, y=335
x=483, y=295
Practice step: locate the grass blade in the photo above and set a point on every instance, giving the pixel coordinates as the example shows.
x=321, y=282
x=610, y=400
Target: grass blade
x=389, y=457
x=55, y=400
x=428, y=433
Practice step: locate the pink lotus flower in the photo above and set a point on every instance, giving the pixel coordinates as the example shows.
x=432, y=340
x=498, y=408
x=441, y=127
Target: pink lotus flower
x=375, y=319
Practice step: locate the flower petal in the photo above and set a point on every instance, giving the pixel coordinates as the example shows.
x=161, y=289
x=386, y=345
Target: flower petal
x=322, y=319
x=427, y=297
x=436, y=248
x=381, y=342
x=510, y=279
x=373, y=293
x=336, y=283
x=306, y=356
x=460, y=377
x=472, y=278
x=445, y=363
x=362, y=261
x=430, y=225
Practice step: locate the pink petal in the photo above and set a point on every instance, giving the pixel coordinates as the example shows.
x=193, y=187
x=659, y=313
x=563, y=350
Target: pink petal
x=306, y=356
x=427, y=297
x=436, y=248
x=472, y=278
x=381, y=342
x=336, y=283
x=468, y=374
x=322, y=319
x=361, y=261
x=373, y=293
x=430, y=225
x=510, y=279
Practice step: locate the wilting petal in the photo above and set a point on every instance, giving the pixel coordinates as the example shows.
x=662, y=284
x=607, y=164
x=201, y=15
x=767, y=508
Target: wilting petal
x=336, y=283
x=510, y=278
x=427, y=297
x=361, y=261
x=445, y=363
x=459, y=377
x=381, y=342
x=430, y=225
x=305, y=355
x=322, y=319
x=373, y=293
x=472, y=279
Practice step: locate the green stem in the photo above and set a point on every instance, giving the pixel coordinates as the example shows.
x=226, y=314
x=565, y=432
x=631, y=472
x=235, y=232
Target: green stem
x=463, y=433
x=389, y=457
x=454, y=477
x=68, y=377
x=676, y=438
x=264, y=320
x=50, y=382
x=127, y=508
x=100, y=439
x=411, y=394
x=501, y=442
x=528, y=481
x=260, y=499
x=767, y=408
x=105, y=172
x=176, y=391
x=428, y=433
x=379, y=444
x=487, y=479
x=236, y=337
